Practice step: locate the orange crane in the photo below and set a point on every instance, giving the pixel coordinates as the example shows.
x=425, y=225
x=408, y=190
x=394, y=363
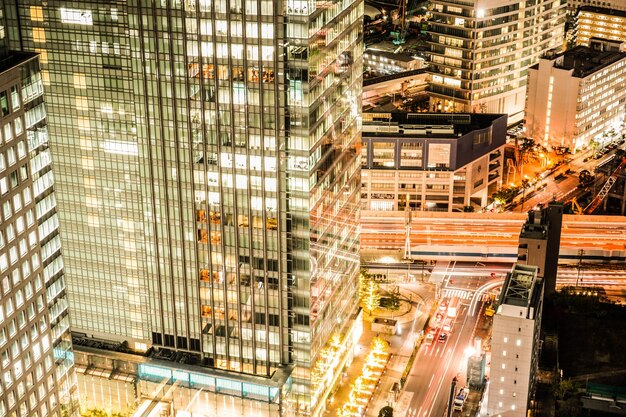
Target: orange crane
x=595, y=203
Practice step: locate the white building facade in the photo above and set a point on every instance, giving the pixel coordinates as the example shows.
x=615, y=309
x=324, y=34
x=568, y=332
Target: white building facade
x=575, y=96
x=515, y=343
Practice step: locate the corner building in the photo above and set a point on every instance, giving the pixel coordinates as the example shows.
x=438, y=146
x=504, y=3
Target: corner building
x=208, y=178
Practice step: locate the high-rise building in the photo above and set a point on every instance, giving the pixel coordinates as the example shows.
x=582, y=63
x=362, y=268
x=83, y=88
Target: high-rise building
x=515, y=343
x=481, y=50
x=576, y=96
x=208, y=178
x=36, y=359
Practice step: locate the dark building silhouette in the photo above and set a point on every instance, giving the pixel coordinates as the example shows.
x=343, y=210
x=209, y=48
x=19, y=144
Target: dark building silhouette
x=540, y=239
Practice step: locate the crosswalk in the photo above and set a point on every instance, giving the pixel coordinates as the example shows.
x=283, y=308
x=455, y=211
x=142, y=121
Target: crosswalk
x=462, y=294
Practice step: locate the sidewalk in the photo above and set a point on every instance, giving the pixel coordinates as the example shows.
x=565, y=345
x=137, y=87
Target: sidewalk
x=401, y=346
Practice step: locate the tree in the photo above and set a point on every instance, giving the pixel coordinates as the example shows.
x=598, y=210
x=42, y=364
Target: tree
x=386, y=411
x=594, y=145
x=563, y=388
x=394, y=300
x=364, y=278
x=585, y=177
x=371, y=301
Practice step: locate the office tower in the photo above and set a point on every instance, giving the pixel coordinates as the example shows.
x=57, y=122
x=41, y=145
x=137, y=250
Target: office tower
x=481, y=50
x=540, y=241
x=208, y=179
x=401, y=151
x=36, y=362
x=576, y=96
x=515, y=343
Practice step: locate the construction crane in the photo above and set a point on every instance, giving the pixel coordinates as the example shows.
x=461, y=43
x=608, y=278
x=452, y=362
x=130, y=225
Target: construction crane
x=595, y=203
x=576, y=207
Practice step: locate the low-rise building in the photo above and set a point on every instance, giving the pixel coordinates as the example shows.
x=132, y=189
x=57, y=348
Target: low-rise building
x=515, y=343
x=383, y=62
x=575, y=96
x=598, y=22
x=431, y=161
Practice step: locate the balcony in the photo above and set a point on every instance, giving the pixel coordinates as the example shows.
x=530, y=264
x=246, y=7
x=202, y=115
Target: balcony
x=494, y=166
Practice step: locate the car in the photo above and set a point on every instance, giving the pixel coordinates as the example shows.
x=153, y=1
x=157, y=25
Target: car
x=442, y=337
x=429, y=339
x=612, y=146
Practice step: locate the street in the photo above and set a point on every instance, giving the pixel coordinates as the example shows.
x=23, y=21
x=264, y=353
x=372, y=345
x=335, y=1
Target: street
x=473, y=283
x=436, y=364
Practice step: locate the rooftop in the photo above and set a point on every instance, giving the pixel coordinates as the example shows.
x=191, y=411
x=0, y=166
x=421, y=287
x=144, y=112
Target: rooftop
x=406, y=124
x=383, y=78
x=536, y=227
x=519, y=286
x=600, y=10
x=393, y=56
x=14, y=58
x=584, y=61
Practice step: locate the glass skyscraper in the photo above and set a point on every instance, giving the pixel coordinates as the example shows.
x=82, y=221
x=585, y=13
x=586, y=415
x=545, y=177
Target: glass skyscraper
x=207, y=164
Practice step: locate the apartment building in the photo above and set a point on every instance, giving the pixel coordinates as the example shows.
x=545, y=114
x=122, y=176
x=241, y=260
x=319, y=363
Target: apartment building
x=208, y=185
x=601, y=23
x=515, y=343
x=481, y=50
x=431, y=161
x=575, y=96
x=574, y=5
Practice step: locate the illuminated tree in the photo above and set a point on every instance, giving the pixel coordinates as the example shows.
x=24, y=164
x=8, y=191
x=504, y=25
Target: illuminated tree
x=371, y=301
x=364, y=279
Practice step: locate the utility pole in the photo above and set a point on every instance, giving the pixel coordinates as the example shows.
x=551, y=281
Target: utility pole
x=581, y=252
x=451, y=398
x=407, y=228
x=407, y=239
